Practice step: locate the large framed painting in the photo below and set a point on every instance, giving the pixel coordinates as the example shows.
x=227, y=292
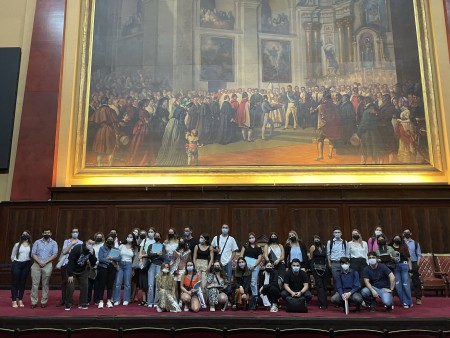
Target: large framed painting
x=255, y=92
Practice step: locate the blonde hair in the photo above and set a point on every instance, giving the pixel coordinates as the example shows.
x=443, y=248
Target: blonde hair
x=296, y=235
x=360, y=240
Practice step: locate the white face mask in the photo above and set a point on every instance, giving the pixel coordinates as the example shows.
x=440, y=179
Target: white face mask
x=165, y=270
x=372, y=261
x=345, y=267
x=378, y=232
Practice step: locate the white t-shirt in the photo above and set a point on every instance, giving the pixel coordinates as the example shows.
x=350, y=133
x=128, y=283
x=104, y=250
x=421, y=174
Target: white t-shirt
x=125, y=253
x=226, y=248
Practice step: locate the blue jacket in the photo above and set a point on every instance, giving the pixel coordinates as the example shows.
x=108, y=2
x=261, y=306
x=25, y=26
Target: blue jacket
x=347, y=282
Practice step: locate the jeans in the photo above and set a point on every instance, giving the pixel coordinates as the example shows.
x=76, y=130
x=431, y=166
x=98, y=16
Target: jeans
x=229, y=270
x=254, y=281
x=386, y=297
x=152, y=297
x=19, y=275
x=124, y=274
x=403, y=283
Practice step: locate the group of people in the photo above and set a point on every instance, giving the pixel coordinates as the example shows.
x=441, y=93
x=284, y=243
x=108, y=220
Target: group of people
x=137, y=126
x=185, y=273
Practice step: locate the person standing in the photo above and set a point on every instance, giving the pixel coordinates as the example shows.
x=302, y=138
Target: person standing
x=243, y=118
x=402, y=271
x=274, y=253
x=106, y=271
x=296, y=248
x=358, y=253
x=44, y=251
x=252, y=254
x=292, y=103
x=336, y=248
x=20, y=268
x=203, y=257
x=267, y=120
x=320, y=270
x=125, y=270
x=80, y=257
x=415, y=255
x=225, y=247
x=67, y=247
x=191, y=242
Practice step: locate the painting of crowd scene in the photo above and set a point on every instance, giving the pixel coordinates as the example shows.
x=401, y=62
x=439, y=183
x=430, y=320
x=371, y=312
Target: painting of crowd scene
x=138, y=118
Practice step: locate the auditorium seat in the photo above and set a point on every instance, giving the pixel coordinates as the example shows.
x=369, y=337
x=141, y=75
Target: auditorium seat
x=443, y=265
x=94, y=332
x=251, y=333
x=303, y=332
x=431, y=278
x=415, y=333
x=359, y=333
x=199, y=332
x=42, y=333
x=145, y=332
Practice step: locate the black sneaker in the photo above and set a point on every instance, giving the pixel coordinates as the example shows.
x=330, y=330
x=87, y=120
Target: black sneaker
x=388, y=308
x=83, y=307
x=68, y=308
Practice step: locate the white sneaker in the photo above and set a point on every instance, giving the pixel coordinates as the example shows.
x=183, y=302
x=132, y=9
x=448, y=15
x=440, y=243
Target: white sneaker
x=150, y=305
x=274, y=308
x=212, y=309
x=100, y=305
x=158, y=309
x=186, y=309
x=116, y=303
x=125, y=303
x=109, y=304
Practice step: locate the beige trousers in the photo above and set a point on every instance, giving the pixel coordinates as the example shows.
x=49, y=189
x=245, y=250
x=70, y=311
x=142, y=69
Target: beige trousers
x=38, y=273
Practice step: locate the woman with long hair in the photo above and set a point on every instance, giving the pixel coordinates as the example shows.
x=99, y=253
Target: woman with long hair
x=203, y=257
x=216, y=283
x=20, y=269
x=274, y=252
x=165, y=284
x=295, y=248
x=372, y=243
x=106, y=271
x=125, y=270
x=403, y=271
x=320, y=270
x=242, y=284
x=358, y=253
x=385, y=253
x=191, y=291
x=253, y=255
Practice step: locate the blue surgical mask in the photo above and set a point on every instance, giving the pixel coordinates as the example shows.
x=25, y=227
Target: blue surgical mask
x=129, y=240
x=187, y=233
x=225, y=231
x=190, y=268
x=74, y=234
x=89, y=247
x=372, y=261
x=296, y=268
x=151, y=234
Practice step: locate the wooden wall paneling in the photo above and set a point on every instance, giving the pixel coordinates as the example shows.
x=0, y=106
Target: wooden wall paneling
x=431, y=227
x=201, y=219
x=261, y=219
x=128, y=217
x=88, y=220
x=308, y=221
x=366, y=218
x=34, y=219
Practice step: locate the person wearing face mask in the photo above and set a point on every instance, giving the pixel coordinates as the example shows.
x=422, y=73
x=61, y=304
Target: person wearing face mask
x=372, y=243
x=385, y=252
x=320, y=270
x=135, y=266
x=124, y=270
x=156, y=253
x=93, y=280
x=165, y=284
x=242, y=280
x=253, y=254
x=274, y=253
x=178, y=264
x=216, y=283
x=80, y=258
x=296, y=282
x=44, y=251
x=170, y=244
x=358, y=253
x=191, y=241
x=336, y=248
x=20, y=268
x=113, y=233
x=402, y=271
x=270, y=287
x=191, y=293
x=225, y=248
x=347, y=284
x=203, y=257
x=106, y=271
x=379, y=283
x=67, y=247
x=145, y=239
x=296, y=249
x=415, y=254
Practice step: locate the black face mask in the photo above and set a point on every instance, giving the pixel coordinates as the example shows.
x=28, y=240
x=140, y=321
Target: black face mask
x=317, y=243
x=355, y=237
x=273, y=240
x=382, y=242
x=407, y=235
x=268, y=270
x=182, y=246
x=157, y=239
x=217, y=269
x=293, y=239
x=142, y=236
x=98, y=240
x=25, y=238
x=171, y=236
x=114, y=236
x=397, y=241
x=46, y=237
x=110, y=243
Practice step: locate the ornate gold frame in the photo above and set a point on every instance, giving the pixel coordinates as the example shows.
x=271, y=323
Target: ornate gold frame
x=79, y=174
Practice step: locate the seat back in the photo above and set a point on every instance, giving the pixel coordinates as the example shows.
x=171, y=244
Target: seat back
x=443, y=262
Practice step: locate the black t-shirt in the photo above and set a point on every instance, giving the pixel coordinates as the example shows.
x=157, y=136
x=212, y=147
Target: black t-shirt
x=252, y=252
x=191, y=243
x=378, y=277
x=296, y=282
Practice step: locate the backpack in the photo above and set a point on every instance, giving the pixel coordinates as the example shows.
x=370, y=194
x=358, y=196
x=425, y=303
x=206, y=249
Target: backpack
x=344, y=245
x=294, y=304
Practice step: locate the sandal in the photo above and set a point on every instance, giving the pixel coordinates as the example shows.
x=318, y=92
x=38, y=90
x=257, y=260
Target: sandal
x=143, y=303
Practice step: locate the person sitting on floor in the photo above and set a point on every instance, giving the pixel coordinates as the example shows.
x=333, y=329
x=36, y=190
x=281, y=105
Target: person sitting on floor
x=270, y=288
x=380, y=282
x=347, y=284
x=191, y=291
x=242, y=281
x=216, y=284
x=165, y=284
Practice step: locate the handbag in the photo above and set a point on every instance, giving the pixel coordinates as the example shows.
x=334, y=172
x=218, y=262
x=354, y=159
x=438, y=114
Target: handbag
x=294, y=304
x=61, y=260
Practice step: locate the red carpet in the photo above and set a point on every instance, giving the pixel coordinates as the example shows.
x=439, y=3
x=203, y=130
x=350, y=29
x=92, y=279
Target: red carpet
x=433, y=307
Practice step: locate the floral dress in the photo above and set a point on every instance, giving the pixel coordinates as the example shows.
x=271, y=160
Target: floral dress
x=165, y=285
x=213, y=292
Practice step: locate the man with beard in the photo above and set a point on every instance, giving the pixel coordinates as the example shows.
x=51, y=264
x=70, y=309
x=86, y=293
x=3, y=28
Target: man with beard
x=105, y=142
x=387, y=133
x=226, y=126
x=329, y=125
